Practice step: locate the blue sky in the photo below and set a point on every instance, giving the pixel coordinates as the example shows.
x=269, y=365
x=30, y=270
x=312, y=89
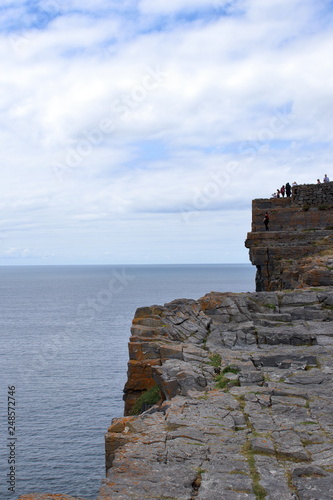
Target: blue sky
x=140, y=131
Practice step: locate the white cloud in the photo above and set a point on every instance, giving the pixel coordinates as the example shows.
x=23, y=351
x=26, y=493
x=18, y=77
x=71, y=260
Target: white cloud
x=116, y=126
x=162, y=7
x=174, y=7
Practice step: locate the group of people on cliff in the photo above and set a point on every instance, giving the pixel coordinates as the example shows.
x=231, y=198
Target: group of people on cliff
x=325, y=179
x=287, y=190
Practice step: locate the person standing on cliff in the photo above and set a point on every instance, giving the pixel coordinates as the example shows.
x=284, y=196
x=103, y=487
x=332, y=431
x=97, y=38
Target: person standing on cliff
x=288, y=190
x=266, y=221
x=282, y=191
x=326, y=179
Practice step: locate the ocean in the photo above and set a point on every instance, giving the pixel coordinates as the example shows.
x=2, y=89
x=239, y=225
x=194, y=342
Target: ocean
x=64, y=333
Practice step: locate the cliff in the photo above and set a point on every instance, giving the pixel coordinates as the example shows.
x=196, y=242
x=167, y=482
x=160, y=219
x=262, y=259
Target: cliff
x=245, y=405
x=234, y=391
x=297, y=251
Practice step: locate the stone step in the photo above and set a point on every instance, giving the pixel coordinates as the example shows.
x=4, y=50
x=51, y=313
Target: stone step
x=284, y=317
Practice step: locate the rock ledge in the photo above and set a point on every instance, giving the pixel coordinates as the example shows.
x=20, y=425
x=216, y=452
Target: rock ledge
x=267, y=431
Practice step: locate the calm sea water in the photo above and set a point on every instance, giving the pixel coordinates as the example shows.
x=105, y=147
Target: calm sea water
x=64, y=332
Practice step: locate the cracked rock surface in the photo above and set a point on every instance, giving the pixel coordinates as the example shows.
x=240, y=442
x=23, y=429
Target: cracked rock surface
x=266, y=430
x=245, y=409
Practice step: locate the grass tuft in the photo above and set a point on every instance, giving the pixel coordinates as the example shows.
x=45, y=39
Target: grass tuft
x=215, y=360
x=230, y=369
x=148, y=398
x=258, y=490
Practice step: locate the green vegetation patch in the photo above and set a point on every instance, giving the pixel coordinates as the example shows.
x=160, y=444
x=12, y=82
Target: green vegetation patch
x=148, y=398
x=215, y=360
x=258, y=490
x=270, y=306
x=222, y=382
x=230, y=369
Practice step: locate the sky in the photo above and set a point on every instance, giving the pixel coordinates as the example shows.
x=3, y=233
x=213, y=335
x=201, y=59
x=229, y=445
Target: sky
x=138, y=132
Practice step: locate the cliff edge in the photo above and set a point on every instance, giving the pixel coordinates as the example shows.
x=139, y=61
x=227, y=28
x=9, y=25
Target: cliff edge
x=297, y=251
x=245, y=400
x=229, y=397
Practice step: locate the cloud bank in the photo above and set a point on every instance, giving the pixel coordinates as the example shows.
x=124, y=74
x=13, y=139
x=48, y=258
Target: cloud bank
x=140, y=132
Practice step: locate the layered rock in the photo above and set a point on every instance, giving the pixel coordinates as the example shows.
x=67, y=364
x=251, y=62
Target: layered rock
x=297, y=251
x=244, y=380
x=158, y=336
x=266, y=430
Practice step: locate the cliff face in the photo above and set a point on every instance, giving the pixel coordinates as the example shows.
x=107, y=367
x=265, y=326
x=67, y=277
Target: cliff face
x=297, y=251
x=158, y=335
x=245, y=400
x=244, y=381
x=245, y=408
